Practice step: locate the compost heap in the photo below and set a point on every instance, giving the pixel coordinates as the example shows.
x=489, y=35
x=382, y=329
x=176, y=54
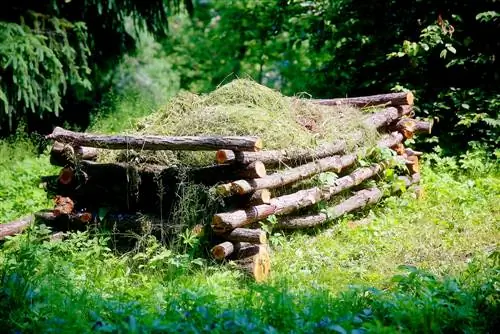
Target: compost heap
x=245, y=108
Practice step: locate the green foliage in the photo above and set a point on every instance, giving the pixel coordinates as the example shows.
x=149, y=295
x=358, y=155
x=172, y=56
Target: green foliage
x=38, y=61
x=48, y=49
x=441, y=50
x=344, y=277
x=20, y=172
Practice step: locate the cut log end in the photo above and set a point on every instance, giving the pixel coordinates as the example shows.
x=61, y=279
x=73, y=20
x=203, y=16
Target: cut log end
x=259, y=168
x=241, y=187
x=223, y=250
x=257, y=266
x=262, y=196
x=410, y=98
x=66, y=176
x=224, y=156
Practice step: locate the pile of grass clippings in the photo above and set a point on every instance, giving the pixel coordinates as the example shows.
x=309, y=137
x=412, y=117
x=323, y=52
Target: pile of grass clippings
x=243, y=107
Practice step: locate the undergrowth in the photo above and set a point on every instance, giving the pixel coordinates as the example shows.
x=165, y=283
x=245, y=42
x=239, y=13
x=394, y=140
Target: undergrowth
x=355, y=275
x=20, y=171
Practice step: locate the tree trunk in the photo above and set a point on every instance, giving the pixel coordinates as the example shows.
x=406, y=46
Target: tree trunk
x=64, y=154
x=289, y=203
x=149, y=142
x=391, y=99
x=254, y=236
x=361, y=199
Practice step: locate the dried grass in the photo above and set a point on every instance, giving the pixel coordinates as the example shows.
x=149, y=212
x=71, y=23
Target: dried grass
x=243, y=107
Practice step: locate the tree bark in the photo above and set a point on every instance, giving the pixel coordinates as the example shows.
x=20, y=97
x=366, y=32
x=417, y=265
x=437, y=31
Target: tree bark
x=149, y=142
x=16, y=227
x=391, y=99
x=64, y=154
x=275, y=157
x=212, y=174
x=361, y=199
x=289, y=203
x=254, y=236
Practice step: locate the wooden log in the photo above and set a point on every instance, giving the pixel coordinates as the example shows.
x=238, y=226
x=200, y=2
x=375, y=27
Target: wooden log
x=409, y=127
x=222, y=250
x=335, y=163
x=391, y=140
x=64, y=154
x=275, y=157
x=286, y=204
x=150, y=142
x=15, y=227
x=227, y=221
x=262, y=196
x=254, y=236
x=257, y=266
x=359, y=200
x=293, y=157
x=234, y=250
x=391, y=99
x=212, y=174
x=383, y=118
x=410, y=152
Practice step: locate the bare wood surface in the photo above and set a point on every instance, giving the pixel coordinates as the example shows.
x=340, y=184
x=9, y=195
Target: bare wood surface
x=150, y=142
x=391, y=99
x=359, y=200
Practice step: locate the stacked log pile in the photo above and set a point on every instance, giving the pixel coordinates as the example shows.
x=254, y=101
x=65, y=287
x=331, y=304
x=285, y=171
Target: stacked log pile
x=255, y=183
